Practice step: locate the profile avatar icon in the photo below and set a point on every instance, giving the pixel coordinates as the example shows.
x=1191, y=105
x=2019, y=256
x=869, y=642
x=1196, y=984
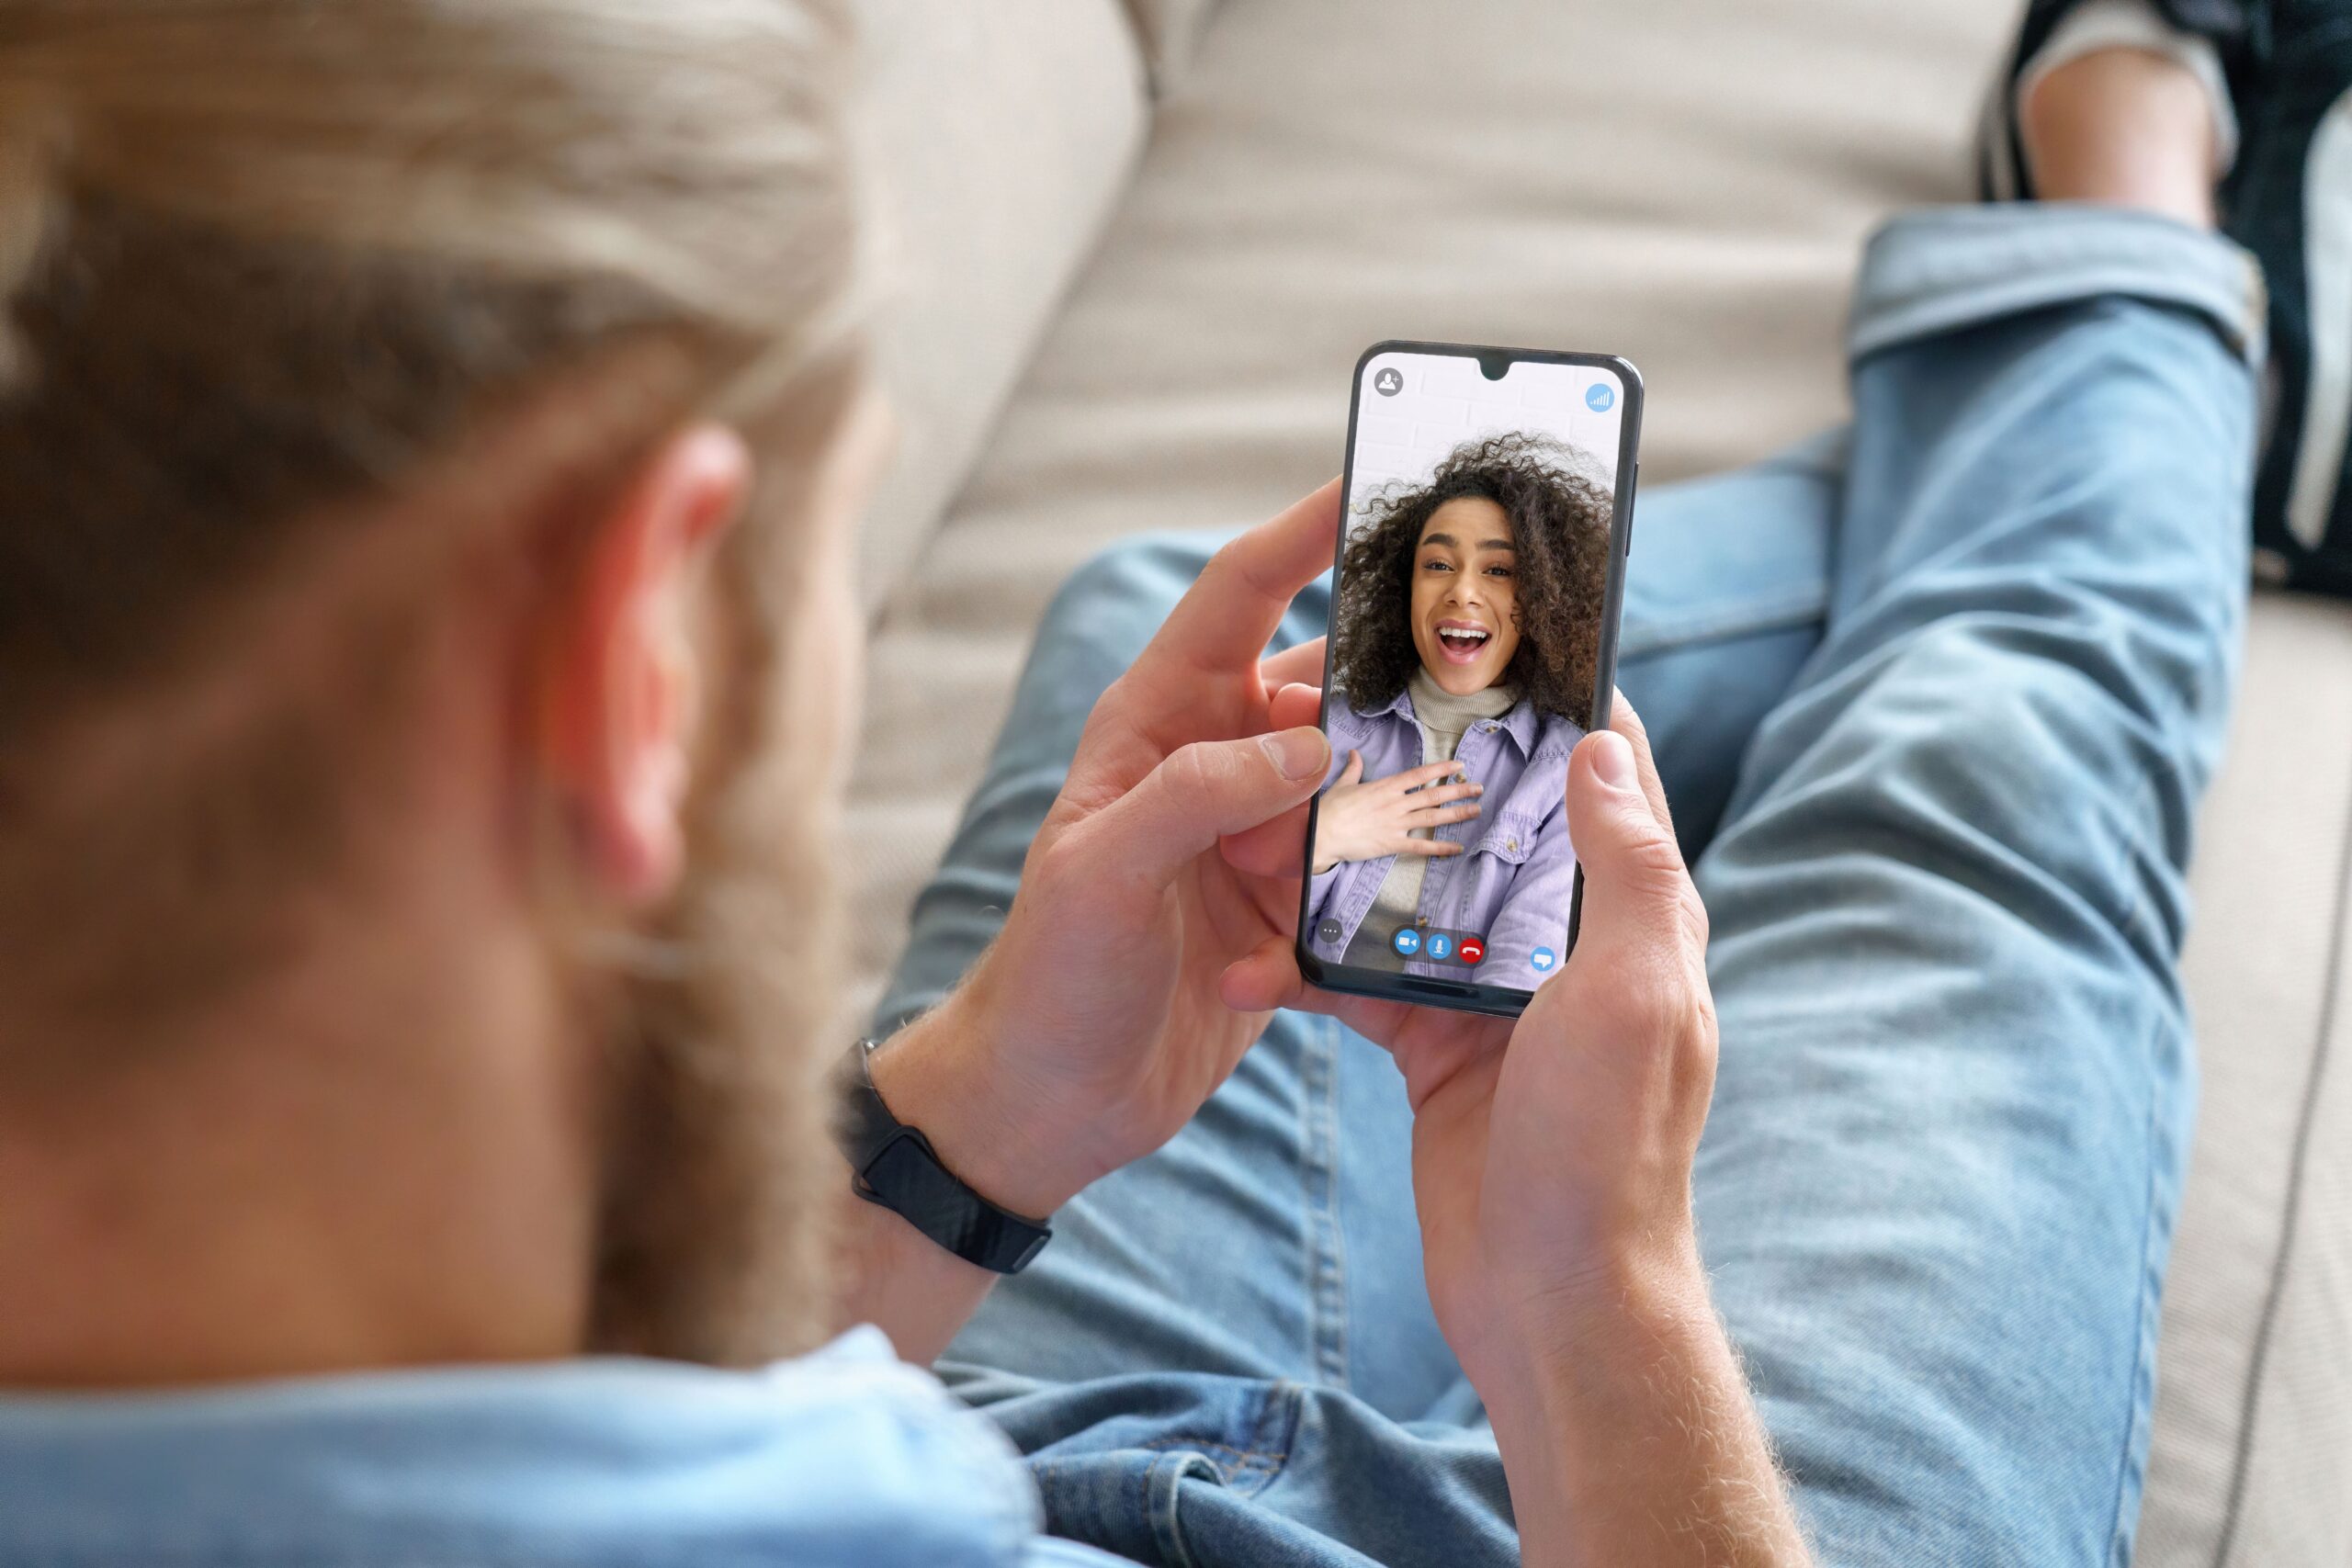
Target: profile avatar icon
x=1388, y=383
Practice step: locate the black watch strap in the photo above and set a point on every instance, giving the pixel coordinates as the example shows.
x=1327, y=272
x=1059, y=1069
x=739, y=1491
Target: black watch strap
x=895, y=1165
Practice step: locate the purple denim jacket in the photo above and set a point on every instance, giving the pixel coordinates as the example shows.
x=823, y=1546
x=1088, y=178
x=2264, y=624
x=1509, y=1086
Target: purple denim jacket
x=1513, y=883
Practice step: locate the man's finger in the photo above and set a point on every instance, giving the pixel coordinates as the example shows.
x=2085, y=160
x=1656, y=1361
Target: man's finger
x=1353, y=771
x=1292, y=706
x=1267, y=977
x=1208, y=791
x=1224, y=619
x=1263, y=979
x=1270, y=849
x=1301, y=664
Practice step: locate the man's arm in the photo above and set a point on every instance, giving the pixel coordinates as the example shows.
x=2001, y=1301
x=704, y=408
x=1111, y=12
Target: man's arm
x=935, y=1075
x=1635, y=1439
x=1625, y=1425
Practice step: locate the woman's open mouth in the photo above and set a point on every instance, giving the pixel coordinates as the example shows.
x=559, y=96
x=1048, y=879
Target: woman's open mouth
x=1461, y=642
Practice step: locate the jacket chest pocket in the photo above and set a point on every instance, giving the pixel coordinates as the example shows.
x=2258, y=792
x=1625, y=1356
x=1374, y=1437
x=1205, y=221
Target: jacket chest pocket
x=1507, y=841
x=1482, y=875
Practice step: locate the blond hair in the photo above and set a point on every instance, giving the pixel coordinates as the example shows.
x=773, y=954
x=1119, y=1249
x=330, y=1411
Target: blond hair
x=692, y=150
x=263, y=262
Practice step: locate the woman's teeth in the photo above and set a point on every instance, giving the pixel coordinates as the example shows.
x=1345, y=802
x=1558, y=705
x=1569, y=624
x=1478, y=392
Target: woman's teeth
x=1462, y=645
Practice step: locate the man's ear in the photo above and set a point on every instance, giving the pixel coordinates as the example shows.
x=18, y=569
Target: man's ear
x=618, y=696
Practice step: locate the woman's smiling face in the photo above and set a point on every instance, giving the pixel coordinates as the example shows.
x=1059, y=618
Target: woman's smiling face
x=1465, y=595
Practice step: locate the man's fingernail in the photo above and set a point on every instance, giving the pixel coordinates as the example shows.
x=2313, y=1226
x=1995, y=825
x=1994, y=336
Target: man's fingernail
x=1612, y=760
x=1296, y=753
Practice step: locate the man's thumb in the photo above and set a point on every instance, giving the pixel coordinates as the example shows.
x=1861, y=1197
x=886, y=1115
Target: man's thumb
x=1209, y=789
x=1634, y=878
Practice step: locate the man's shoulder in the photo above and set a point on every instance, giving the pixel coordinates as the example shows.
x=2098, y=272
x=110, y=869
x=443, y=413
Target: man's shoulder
x=843, y=1457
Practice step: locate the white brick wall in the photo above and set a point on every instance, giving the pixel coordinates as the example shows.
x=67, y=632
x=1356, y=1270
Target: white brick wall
x=1447, y=400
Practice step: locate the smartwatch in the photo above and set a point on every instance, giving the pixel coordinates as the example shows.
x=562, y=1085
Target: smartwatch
x=894, y=1165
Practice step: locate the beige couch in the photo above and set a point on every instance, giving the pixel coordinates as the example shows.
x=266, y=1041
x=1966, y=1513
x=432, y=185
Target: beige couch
x=1133, y=251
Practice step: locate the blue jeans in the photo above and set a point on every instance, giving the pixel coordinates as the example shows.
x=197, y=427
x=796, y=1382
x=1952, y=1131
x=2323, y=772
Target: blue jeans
x=1935, y=699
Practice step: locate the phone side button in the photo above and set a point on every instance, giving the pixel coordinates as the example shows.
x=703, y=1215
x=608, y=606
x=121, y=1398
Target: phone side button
x=1633, y=507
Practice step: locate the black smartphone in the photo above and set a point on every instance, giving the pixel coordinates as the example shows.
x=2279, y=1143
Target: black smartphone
x=1474, y=603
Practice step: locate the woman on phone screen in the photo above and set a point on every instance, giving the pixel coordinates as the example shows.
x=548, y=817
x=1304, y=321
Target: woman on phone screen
x=1464, y=635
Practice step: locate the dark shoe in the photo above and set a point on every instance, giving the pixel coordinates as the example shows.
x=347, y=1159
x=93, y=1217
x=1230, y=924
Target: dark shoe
x=2289, y=201
x=2287, y=198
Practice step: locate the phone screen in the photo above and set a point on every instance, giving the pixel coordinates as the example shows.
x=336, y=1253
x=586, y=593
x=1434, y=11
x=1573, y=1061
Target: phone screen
x=1472, y=644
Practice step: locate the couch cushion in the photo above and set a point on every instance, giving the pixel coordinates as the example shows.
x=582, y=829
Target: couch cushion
x=1686, y=184
x=1168, y=30
x=997, y=139
x=2253, y=1454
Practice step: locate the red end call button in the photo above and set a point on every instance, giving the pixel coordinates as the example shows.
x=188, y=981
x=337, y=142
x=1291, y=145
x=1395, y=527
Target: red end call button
x=1471, y=950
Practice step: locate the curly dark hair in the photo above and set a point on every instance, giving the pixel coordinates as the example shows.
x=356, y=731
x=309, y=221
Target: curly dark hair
x=1559, y=523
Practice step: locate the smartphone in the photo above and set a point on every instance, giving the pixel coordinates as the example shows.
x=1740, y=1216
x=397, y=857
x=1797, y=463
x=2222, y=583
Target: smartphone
x=1474, y=603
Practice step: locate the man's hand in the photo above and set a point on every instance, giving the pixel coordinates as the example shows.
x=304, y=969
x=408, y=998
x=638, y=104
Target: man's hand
x=1551, y=1169
x=1364, y=821
x=1094, y=1028
x=1551, y=1155
x=1554, y=1176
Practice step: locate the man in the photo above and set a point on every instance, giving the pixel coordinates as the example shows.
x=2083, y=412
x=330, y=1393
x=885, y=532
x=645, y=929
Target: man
x=421, y=718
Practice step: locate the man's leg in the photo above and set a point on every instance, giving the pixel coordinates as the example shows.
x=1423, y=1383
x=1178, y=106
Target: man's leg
x=1726, y=595
x=1937, y=1189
